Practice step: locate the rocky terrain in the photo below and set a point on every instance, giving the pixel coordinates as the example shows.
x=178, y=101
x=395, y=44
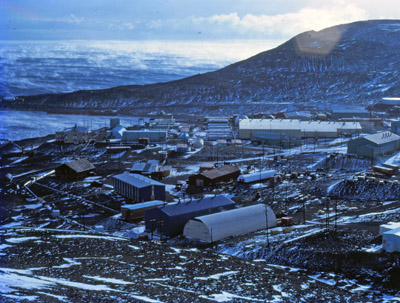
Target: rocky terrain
x=351, y=63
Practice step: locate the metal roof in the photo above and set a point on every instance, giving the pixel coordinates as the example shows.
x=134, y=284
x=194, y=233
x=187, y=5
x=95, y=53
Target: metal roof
x=138, y=166
x=228, y=223
x=221, y=171
x=381, y=138
x=143, y=205
x=196, y=205
x=137, y=180
x=80, y=165
x=294, y=124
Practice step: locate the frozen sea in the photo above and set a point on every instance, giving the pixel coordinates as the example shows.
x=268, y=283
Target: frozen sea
x=37, y=67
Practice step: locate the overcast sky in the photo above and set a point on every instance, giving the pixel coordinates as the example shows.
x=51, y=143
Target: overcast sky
x=181, y=19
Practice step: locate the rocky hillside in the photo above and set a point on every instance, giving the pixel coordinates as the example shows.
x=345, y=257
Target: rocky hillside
x=351, y=63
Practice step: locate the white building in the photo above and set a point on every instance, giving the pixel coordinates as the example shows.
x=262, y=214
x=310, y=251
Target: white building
x=73, y=135
x=257, y=176
x=390, y=236
x=297, y=128
x=217, y=226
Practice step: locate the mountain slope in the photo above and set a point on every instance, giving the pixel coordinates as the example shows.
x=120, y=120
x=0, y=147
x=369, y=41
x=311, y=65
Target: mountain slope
x=351, y=63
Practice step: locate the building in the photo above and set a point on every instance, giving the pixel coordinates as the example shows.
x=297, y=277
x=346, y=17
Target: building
x=395, y=127
x=297, y=128
x=390, y=236
x=181, y=148
x=136, y=211
x=257, y=177
x=356, y=112
x=114, y=122
x=198, y=142
x=300, y=115
x=73, y=135
x=74, y=170
x=153, y=136
x=138, y=188
x=171, y=219
x=148, y=168
x=118, y=131
x=214, y=176
x=221, y=225
x=375, y=145
x=275, y=139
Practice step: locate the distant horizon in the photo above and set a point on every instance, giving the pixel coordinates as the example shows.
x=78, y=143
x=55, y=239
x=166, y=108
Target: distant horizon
x=192, y=39
x=175, y=20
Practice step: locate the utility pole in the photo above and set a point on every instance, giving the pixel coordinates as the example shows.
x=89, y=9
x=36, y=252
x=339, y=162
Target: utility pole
x=266, y=212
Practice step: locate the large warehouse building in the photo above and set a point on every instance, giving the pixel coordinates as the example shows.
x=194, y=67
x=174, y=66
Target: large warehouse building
x=218, y=226
x=297, y=128
x=375, y=145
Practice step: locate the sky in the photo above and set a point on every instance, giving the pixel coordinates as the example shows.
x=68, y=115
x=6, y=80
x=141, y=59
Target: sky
x=181, y=19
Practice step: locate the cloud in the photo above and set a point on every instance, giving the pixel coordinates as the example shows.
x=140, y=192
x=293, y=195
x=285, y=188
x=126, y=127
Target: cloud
x=289, y=24
x=74, y=19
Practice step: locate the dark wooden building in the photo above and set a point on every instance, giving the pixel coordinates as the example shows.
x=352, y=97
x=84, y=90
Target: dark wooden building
x=75, y=170
x=212, y=177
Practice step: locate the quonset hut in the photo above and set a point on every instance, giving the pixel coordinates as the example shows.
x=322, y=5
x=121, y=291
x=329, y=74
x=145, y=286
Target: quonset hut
x=170, y=219
x=218, y=226
x=138, y=188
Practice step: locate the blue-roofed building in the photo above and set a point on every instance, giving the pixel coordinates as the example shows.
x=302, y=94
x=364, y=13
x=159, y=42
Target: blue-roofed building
x=138, y=188
x=171, y=219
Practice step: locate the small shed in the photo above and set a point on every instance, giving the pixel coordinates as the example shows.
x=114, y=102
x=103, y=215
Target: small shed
x=136, y=211
x=138, y=188
x=218, y=226
x=171, y=219
x=74, y=170
x=225, y=173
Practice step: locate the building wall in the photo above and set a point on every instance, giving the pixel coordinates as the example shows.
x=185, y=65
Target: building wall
x=142, y=194
x=395, y=127
x=367, y=149
x=153, y=136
